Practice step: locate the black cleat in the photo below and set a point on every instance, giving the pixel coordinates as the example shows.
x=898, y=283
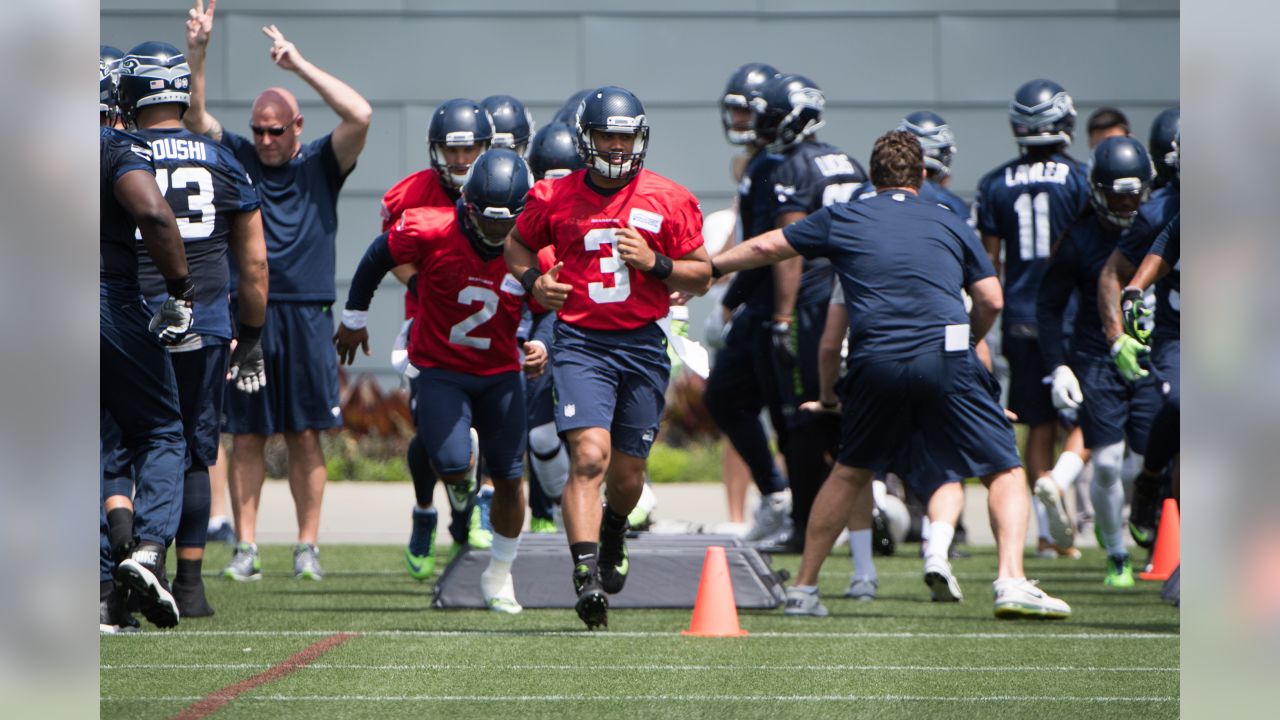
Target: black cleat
x=191, y=600
x=593, y=602
x=613, y=563
x=113, y=610
x=881, y=540
x=141, y=573
x=1142, y=510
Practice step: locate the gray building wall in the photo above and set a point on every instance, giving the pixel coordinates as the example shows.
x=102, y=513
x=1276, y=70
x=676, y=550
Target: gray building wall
x=876, y=60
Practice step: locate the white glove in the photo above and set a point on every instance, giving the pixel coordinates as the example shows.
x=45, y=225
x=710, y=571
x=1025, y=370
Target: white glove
x=1066, y=389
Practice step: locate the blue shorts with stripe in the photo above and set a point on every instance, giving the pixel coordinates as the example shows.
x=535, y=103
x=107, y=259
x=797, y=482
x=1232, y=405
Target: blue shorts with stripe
x=449, y=403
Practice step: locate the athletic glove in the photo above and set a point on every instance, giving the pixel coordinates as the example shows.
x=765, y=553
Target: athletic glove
x=782, y=352
x=1127, y=353
x=1066, y=389
x=1133, y=310
x=172, y=321
x=248, y=369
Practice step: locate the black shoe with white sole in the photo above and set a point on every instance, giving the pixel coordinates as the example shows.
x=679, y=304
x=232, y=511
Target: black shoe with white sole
x=191, y=600
x=593, y=602
x=141, y=573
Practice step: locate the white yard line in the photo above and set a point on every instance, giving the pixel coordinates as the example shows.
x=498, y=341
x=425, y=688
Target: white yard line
x=660, y=698
x=673, y=634
x=649, y=667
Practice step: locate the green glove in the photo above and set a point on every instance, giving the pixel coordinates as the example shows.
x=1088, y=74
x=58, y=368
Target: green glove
x=1126, y=352
x=1132, y=311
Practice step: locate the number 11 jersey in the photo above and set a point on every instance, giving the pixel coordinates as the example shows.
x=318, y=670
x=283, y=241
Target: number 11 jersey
x=579, y=221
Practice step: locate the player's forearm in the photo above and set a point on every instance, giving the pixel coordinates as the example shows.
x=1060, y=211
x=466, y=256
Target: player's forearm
x=829, y=353
x=988, y=301
x=992, y=245
x=343, y=99
x=1152, y=269
x=374, y=266
x=518, y=256
x=690, y=276
x=771, y=247
x=249, y=248
x=786, y=286
x=141, y=198
x=1111, y=281
x=197, y=118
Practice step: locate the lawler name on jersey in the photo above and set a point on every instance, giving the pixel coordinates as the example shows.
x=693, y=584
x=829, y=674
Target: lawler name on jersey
x=1037, y=172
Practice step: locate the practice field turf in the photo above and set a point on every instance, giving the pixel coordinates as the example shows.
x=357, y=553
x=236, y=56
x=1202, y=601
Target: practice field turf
x=377, y=650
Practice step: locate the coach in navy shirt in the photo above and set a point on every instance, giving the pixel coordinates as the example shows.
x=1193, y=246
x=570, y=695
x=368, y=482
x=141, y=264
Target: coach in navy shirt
x=299, y=185
x=915, y=393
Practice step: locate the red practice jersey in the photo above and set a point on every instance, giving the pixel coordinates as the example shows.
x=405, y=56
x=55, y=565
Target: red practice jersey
x=468, y=308
x=579, y=223
x=421, y=189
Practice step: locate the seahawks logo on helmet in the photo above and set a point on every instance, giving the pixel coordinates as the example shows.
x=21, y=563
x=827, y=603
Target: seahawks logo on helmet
x=153, y=73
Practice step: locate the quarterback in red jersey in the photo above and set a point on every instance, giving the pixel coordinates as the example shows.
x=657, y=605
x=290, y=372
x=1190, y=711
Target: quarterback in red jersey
x=464, y=343
x=625, y=238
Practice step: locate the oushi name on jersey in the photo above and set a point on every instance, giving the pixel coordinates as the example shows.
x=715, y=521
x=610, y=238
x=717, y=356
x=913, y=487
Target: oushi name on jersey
x=179, y=149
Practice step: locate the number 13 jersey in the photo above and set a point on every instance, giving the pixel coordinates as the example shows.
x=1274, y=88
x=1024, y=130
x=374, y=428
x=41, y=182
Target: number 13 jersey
x=579, y=222
x=468, y=307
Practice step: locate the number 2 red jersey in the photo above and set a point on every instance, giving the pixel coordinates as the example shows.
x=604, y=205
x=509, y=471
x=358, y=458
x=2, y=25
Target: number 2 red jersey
x=579, y=223
x=468, y=307
x=421, y=189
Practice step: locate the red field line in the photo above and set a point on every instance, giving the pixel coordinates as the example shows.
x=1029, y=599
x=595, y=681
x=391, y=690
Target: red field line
x=214, y=701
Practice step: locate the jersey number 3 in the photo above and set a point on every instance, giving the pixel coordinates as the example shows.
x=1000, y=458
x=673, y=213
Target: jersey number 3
x=609, y=265
x=470, y=296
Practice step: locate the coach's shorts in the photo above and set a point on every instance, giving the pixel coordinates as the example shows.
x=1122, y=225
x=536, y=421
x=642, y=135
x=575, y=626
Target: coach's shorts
x=1166, y=366
x=1114, y=409
x=302, y=375
x=934, y=413
x=611, y=379
x=1029, y=397
x=450, y=403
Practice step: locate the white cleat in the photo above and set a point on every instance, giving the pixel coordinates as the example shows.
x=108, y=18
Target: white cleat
x=862, y=587
x=772, y=517
x=801, y=603
x=504, y=599
x=942, y=583
x=1061, y=527
x=1021, y=598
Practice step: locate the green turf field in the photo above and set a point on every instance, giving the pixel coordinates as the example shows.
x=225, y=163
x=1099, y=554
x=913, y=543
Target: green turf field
x=899, y=656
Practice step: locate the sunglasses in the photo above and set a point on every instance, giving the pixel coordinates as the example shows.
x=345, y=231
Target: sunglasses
x=273, y=131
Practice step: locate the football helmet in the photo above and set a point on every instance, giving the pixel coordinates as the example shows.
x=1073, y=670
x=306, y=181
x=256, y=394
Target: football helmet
x=1163, y=144
x=568, y=113
x=493, y=196
x=109, y=80
x=1120, y=176
x=153, y=73
x=612, y=109
x=553, y=153
x=512, y=121
x=457, y=123
x=787, y=110
x=935, y=137
x=744, y=84
x=1042, y=113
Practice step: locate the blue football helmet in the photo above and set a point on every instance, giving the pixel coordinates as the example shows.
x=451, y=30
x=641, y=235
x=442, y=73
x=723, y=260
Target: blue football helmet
x=744, y=84
x=787, y=110
x=568, y=112
x=109, y=80
x=1163, y=144
x=493, y=196
x=153, y=73
x=1042, y=113
x=457, y=123
x=936, y=139
x=512, y=121
x=612, y=109
x=1120, y=176
x=553, y=153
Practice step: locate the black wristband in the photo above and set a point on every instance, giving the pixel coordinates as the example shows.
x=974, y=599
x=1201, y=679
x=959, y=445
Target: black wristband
x=716, y=274
x=530, y=277
x=662, y=266
x=412, y=285
x=181, y=288
x=248, y=333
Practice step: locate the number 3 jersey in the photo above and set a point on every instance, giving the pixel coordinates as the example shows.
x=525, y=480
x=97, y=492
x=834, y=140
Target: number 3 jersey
x=1028, y=202
x=468, y=307
x=579, y=222
x=207, y=188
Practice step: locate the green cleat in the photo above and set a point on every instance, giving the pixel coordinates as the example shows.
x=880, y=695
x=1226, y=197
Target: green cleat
x=542, y=526
x=479, y=531
x=1119, y=572
x=420, y=555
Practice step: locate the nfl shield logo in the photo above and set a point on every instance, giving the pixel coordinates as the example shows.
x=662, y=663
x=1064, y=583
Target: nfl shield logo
x=570, y=410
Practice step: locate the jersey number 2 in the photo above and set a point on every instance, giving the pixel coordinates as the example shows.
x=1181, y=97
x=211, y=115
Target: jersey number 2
x=470, y=296
x=1033, y=225
x=609, y=265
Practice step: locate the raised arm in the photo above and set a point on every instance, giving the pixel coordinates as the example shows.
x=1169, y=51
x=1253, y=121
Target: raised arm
x=354, y=111
x=199, y=28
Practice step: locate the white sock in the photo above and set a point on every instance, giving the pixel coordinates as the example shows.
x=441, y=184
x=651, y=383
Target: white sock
x=1066, y=469
x=217, y=521
x=501, y=555
x=1042, y=518
x=940, y=535
x=860, y=550
x=810, y=589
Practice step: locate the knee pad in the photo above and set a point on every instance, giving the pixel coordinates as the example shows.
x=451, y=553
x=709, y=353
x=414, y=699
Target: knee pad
x=1108, y=463
x=549, y=458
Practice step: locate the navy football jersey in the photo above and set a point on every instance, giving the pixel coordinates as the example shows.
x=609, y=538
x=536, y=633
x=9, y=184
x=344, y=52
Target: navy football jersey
x=121, y=152
x=755, y=196
x=1027, y=202
x=299, y=218
x=1075, y=266
x=206, y=187
x=930, y=190
x=902, y=263
x=1137, y=242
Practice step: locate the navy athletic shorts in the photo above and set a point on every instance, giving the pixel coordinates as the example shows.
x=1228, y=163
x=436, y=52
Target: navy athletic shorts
x=450, y=403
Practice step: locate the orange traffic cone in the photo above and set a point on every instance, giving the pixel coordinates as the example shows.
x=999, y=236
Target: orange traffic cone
x=1168, y=545
x=714, y=613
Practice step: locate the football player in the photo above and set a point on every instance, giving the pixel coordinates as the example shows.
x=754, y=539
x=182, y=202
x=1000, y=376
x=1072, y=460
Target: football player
x=1106, y=122
x=809, y=175
x=1162, y=146
x=463, y=343
x=1021, y=206
x=939, y=145
x=624, y=238
x=217, y=211
x=1115, y=406
x=512, y=122
x=108, y=82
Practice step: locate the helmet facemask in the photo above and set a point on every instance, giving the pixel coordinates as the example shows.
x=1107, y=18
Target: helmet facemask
x=616, y=164
x=1118, y=203
x=455, y=174
x=734, y=131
